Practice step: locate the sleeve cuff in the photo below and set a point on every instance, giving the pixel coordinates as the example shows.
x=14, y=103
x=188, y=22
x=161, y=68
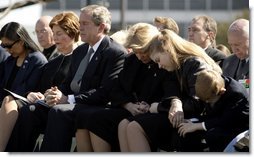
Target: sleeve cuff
x=203, y=125
x=71, y=99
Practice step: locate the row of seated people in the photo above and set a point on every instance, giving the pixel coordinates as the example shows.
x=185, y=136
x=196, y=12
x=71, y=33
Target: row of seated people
x=154, y=87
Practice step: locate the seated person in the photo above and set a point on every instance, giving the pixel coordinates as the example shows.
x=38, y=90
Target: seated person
x=226, y=113
x=45, y=37
x=237, y=64
x=202, y=31
x=23, y=68
x=65, y=27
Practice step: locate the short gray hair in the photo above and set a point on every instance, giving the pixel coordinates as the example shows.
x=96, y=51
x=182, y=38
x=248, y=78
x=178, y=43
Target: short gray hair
x=99, y=14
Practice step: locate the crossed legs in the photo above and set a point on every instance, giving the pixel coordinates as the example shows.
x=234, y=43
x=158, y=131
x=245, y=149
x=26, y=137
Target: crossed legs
x=8, y=118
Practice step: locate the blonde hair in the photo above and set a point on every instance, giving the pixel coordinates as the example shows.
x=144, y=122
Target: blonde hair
x=120, y=36
x=223, y=49
x=179, y=49
x=139, y=35
x=208, y=84
x=167, y=23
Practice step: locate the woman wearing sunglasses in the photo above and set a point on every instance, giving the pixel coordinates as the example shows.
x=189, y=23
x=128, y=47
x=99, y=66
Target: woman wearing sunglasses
x=22, y=69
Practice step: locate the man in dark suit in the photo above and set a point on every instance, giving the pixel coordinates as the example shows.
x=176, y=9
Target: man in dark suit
x=237, y=65
x=96, y=80
x=202, y=31
x=83, y=86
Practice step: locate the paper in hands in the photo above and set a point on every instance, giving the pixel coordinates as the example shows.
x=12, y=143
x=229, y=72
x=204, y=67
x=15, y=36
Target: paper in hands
x=41, y=102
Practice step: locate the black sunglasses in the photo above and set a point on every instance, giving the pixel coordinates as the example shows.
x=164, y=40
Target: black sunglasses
x=8, y=46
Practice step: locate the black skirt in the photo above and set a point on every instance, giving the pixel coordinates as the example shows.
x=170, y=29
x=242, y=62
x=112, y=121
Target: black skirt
x=103, y=122
x=159, y=131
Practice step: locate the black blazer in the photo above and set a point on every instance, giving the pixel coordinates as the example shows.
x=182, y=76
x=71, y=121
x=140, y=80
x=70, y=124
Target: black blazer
x=28, y=76
x=230, y=65
x=55, y=72
x=187, y=78
x=143, y=82
x=192, y=107
x=215, y=54
x=100, y=74
x=231, y=111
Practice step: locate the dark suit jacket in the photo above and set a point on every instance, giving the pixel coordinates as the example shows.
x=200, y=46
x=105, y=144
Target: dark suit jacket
x=55, y=72
x=191, y=106
x=100, y=74
x=228, y=117
x=231, y=110
x=28, y=76
x=143, y=82
x=230, y=65
x=215, y=54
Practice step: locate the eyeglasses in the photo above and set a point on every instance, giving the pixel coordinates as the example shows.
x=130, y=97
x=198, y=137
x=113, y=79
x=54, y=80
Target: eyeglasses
x=6, y=46
x=43, y=31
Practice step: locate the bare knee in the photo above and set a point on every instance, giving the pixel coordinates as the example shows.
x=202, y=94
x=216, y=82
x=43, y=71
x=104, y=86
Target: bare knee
x=6, y=100
x=134, y=127
x=123, y=124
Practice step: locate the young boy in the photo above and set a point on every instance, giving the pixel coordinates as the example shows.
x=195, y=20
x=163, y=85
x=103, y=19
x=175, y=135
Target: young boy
x=226, y=113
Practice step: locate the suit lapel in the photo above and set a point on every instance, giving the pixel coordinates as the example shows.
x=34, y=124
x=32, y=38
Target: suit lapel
x=245, y=71
x=92, y=66
x=233, y=67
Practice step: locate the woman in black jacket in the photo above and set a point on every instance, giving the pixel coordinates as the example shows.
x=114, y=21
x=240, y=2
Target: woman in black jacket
x=65, y=27
x=173, y=53
x=139, y=84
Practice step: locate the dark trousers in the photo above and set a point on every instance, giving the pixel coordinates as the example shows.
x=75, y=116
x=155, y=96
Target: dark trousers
x=59, y=130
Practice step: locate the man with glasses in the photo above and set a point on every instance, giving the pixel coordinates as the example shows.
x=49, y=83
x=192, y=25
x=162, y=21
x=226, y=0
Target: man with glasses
x=44, y=36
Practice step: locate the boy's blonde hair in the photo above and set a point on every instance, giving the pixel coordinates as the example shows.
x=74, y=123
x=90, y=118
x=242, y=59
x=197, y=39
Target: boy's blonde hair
x=208, y=84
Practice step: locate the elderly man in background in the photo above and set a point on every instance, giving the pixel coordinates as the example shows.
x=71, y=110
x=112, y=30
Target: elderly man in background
x=237, y=65
x=44, y=36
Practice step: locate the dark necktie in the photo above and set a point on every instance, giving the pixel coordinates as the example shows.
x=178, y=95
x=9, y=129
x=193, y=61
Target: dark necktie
x=240, y=69
x=76, y=82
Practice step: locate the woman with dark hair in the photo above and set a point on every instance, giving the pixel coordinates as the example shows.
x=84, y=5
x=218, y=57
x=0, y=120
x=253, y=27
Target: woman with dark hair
x=22, y=70
x=65, y=27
